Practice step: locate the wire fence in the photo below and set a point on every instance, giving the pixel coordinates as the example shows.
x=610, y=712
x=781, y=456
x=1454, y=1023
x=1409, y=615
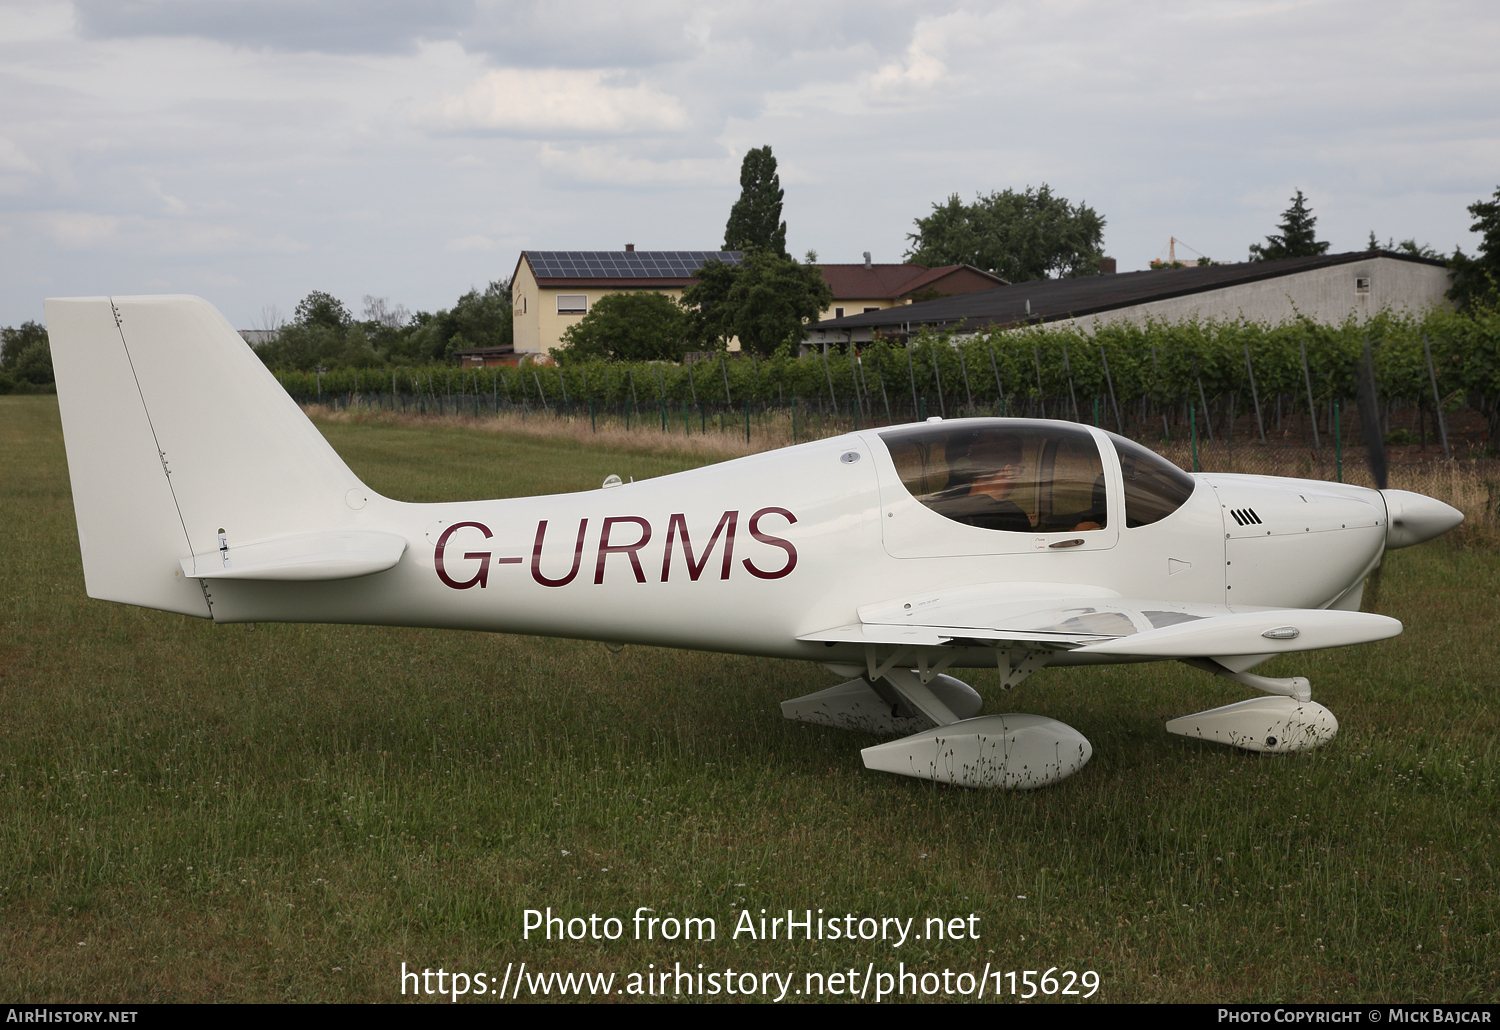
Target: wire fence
x=1323, y=444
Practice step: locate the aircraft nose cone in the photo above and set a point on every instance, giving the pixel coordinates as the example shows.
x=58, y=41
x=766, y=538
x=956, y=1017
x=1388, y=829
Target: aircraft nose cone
x=1416, y=517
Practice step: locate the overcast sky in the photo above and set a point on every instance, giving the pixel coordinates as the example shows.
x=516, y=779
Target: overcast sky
x=250, y=151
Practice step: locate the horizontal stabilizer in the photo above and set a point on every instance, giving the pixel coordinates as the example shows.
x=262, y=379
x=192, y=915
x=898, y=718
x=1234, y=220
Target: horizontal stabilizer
x=302, y=557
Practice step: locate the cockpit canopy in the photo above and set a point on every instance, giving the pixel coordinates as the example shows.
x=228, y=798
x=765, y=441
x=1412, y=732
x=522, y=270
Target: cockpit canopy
x=1029, y=477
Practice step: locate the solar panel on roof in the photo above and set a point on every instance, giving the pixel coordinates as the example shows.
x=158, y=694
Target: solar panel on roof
x=613, y=264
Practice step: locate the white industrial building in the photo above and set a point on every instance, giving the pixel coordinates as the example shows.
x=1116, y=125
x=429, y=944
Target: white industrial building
x=1329, y=289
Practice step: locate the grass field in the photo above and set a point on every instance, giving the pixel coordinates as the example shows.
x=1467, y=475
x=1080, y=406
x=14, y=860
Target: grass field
x=201, y=813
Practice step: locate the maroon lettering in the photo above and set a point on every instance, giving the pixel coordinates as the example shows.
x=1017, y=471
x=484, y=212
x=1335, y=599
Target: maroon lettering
x=695, y=568
x=775, y=541
x=606, y=548
x=536, y=555
x=482, y=577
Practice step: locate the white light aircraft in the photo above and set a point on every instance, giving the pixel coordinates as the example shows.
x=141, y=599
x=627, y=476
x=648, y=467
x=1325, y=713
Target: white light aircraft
x=888, y=556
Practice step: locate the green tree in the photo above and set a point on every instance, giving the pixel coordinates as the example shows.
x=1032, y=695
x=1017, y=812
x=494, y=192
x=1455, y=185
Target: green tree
x=1033, y=234
x=634, y=326
x=319, y=334
x=15, y=342
x=34, y=364
x=1476, y=280
x=322, y=310
x=1296, y=238
x=755, y=220
x=766, y=300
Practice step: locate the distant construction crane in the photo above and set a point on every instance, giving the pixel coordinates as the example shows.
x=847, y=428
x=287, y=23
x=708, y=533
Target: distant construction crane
x=1171, y=259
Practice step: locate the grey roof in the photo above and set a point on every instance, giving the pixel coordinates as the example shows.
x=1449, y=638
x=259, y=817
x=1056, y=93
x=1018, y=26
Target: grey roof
x=1052, y=299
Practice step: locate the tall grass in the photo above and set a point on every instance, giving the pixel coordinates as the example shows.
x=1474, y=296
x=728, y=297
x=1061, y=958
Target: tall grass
x=204, y=813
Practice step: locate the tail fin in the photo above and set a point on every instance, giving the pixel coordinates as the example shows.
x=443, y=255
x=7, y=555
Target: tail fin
x=176, y=434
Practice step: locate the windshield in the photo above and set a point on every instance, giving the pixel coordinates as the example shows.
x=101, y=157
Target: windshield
x=1154, y=487
x=1004, y=475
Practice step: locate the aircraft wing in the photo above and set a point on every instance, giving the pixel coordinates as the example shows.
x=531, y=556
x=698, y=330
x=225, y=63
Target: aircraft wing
x=1096, y=621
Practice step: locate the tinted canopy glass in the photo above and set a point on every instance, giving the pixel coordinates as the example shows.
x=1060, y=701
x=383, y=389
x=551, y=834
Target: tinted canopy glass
x=1009, y=476
x=1154, y=487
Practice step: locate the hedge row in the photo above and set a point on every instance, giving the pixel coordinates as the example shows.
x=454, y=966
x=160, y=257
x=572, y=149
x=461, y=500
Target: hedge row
x=1164, y=362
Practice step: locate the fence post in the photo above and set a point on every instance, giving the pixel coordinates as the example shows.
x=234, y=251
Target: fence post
x=1312, y=409
x=829, y=374
x=593, y=426
x=1041, y=400
x=1119, y=422
x=1072, y=394
x=747, y=421
x=1193, y=419
x=911, y=370
x=1338, y=444
x=999, y=390
x=891, y=419
x=1208, y=417
x=1166, y=428
x=1437, y=402
x=938, y=377
x=1255, y=395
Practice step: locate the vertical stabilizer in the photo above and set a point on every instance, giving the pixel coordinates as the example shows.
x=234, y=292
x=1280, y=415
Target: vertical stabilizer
x=175, y=433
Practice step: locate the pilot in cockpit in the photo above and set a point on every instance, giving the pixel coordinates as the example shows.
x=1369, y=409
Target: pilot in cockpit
x=984, y=469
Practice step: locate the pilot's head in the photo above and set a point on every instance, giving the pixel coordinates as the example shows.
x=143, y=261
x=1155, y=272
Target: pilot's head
x=983, y=454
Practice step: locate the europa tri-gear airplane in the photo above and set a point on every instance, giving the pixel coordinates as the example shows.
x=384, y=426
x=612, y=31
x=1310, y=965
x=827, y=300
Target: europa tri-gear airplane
x=887, y=556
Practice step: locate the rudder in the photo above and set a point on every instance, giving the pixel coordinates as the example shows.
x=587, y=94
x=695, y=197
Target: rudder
x=175, y=431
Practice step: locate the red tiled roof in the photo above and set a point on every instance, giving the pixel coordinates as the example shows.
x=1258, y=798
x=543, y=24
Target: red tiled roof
x=856, y=282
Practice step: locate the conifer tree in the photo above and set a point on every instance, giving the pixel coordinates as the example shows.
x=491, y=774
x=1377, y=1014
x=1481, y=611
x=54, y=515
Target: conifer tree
x=1477, y=279
x=755, y=220
x=1296, y=238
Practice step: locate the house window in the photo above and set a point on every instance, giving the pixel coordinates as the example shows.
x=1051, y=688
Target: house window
x=572, y=303
x=838, y=312
x=1362, y=284
x=868, y=310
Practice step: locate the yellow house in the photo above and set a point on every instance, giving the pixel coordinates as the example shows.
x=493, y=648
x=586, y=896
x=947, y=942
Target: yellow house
x=553, y=289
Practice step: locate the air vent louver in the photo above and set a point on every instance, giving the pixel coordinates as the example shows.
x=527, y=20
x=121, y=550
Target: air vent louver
x=1245, y=516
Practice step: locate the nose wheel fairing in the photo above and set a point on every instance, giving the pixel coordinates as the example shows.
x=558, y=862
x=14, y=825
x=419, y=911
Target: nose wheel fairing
x=1278, y=725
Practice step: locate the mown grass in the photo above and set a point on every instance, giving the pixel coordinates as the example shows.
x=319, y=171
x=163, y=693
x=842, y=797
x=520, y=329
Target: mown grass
x=203, y=813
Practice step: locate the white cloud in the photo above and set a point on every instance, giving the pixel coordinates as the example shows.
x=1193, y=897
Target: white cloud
x=552, y=101
x=76, y=230
x=615, y=166
x=469, y=243
x=923, y=66
x=13, y=160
